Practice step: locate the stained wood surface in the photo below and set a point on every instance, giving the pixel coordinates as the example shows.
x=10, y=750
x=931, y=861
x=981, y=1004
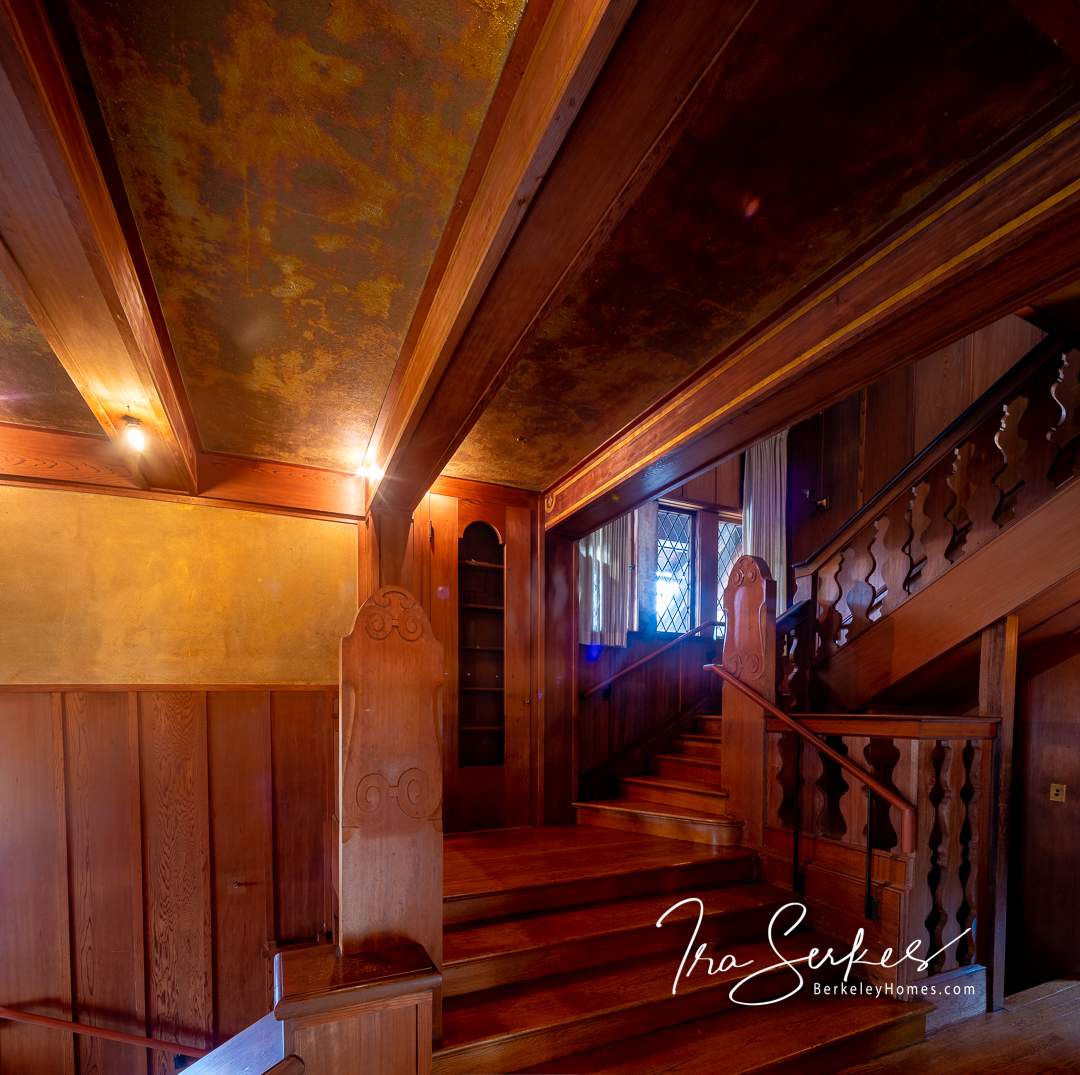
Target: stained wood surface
x=176, y=827
x=35, y=964
x=101, y=747
x=302, y=765
x=164, y=807
x=241, y=831
x=787, y=1038
x=1038, y=1031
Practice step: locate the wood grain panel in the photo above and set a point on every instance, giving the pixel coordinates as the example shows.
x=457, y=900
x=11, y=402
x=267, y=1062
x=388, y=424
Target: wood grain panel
x=101, y=748
x=176, y=852
x=303, y=752
x=518, y=641
x=241, y=826
x=35, y=971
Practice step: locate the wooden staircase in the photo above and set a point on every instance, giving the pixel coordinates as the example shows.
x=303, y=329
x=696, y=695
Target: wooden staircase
x=552, y=960
x=681, y=796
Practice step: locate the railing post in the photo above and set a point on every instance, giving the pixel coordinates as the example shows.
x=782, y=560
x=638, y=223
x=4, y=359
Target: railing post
x=997, y=698
x=869, y=903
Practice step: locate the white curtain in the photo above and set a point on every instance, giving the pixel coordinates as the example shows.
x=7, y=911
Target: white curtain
x=764, y=508
x=606, y=589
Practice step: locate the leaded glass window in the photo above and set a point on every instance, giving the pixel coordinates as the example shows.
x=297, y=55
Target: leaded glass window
x=728, y=550
x=674, y=570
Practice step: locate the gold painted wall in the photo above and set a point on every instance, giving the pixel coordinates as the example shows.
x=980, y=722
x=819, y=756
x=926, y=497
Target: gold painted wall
x=106, y=589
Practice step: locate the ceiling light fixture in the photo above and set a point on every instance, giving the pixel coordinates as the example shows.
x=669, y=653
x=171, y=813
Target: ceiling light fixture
x=370, y=471
x=133, y=433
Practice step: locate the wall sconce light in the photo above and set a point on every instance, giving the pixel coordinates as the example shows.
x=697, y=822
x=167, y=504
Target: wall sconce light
x=821, y=503
x=133, y=433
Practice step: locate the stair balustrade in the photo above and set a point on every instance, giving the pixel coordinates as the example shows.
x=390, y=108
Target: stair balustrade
x=999, y=461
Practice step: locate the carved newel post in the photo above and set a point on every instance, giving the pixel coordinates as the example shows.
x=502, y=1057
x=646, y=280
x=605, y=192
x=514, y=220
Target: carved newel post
x=750, y=654
x=372, y=1002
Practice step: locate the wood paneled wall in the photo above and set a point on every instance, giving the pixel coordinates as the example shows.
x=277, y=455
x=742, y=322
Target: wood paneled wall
x=1045, y=862
x=850, y=451
x=156, y=845
x=719, y=488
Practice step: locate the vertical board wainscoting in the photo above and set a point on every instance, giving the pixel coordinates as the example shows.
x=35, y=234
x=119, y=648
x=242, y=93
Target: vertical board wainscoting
x=159, y=846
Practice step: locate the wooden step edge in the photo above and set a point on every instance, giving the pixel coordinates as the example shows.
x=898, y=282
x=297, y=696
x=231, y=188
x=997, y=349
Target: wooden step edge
x=700, y=737
x=856, y=1045
x=528, y=959
x=670, y=783
x=674, y=823
x=704, y=760
x=508, y=1048
x=729, y=863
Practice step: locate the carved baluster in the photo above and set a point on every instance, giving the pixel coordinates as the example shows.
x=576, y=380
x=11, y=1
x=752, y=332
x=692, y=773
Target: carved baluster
x=830, y=622
x=920, y=775
x=1066, y=438
x=935, y=530
x=951, y=856
x=813, y=799
x=857, y=592
x=1041, y=420
x=891, y=552
x=853, y=804
x=834, y=787
x=960, y=484
x=1013, y=448
x=986, y=464
x=781, y=782
x=882, y=757
x=938, y=917
x=905, y=778
x=968, y=872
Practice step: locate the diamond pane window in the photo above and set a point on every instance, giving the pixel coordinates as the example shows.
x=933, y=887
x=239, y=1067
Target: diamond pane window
x=728, y=550
x=674, y=570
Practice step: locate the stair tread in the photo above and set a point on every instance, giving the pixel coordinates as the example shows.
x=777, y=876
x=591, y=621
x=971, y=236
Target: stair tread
x=752, y=1038
x=565, y=854
x=692, y=759
x=676, y=785
x=700, y=737
x=481, y=940
x=682, y=813
x=525, y=1007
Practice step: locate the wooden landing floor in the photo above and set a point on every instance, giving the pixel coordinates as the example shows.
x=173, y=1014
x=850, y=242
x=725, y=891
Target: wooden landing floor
x=503, y=859
x=1039, y=1031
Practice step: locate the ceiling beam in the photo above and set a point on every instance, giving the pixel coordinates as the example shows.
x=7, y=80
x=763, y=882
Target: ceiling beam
x=436, y=393
x=987, y=248
x=78, y=270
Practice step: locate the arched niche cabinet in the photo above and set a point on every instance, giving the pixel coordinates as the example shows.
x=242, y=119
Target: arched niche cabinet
x=481, y=648
x=483, y=592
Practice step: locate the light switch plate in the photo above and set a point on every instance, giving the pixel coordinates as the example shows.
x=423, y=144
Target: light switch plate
x=1057, y=793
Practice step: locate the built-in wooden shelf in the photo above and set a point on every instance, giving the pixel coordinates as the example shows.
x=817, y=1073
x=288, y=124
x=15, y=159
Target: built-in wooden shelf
x=480, y=609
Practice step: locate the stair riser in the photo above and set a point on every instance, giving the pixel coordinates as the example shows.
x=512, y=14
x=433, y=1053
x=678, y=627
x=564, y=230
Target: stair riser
x=846, y=1052
x=674, y=797
x=585, y=952
x=595, y=889
x=708, y=725
x=535, y=1047
x=671, y=769
x=698, y=749
x=711, y=834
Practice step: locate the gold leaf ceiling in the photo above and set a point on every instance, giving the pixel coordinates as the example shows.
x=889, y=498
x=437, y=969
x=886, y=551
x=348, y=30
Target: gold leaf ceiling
x=291, y=166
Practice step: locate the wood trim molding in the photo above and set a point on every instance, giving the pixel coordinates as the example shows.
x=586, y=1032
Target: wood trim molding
x=1005, y=237
x=68, y=257
x=47, y=458
x=568, y=53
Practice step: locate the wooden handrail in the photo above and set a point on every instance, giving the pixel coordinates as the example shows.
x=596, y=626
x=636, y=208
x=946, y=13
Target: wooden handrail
x=894, y=798
x=17, y=1016
x=954, y=434
x=648, y=657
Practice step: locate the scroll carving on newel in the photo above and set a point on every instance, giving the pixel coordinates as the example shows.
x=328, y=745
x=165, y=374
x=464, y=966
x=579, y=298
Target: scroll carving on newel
x=391, y=777
x=746, y=602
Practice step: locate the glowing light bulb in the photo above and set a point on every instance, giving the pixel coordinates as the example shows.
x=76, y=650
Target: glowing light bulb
x=369, y=470
x=133, y=434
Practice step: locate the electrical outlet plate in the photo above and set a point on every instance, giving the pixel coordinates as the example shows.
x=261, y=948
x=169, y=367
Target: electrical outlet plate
x=1057, y=793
